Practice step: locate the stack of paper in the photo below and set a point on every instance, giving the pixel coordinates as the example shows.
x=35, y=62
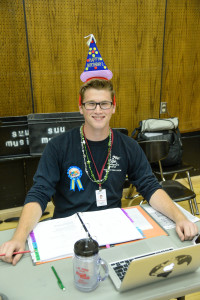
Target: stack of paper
x=55, y=239
x=165, y=221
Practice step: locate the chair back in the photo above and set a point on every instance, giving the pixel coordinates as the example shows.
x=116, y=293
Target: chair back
x=155, y=150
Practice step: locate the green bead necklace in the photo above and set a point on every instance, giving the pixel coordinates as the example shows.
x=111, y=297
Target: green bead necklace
x=87, y=161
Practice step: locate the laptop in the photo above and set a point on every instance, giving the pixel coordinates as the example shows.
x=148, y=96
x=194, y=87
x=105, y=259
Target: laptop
x=152, y=266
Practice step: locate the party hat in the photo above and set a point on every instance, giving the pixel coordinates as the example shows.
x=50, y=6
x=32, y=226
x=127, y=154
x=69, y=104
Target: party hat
x=95, y=66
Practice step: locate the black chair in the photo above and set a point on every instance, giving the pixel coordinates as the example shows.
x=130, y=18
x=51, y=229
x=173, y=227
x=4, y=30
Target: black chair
x=155, y=151
x=174, y=170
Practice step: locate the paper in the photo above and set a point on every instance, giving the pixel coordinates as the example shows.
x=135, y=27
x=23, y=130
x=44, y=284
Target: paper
x=55, y=238
x=110, y=226
x=138, y=219
x=164, y=221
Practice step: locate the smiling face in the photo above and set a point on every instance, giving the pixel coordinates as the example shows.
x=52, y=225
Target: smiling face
x=97, y=120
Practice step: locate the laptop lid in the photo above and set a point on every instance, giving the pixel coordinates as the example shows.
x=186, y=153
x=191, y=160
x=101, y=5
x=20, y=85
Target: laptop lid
x=161, y=266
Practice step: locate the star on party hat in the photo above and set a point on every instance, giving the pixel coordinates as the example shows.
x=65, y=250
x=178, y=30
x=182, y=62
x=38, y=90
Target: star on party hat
x=95, y=66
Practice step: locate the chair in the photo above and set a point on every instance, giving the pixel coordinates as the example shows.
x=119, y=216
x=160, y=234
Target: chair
x=131, y=194
x=174, y=171
x=155, y=151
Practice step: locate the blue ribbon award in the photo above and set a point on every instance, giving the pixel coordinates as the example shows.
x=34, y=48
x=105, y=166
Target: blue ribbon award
x=75, y=173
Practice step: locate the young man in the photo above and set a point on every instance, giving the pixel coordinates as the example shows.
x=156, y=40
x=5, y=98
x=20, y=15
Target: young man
x=85, y=168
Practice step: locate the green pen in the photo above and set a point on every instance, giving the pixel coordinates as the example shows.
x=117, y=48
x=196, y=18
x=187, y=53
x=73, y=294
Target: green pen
x=58, y=279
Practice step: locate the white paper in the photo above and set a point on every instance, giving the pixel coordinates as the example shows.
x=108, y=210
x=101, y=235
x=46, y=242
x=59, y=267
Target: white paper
x=164, y=221
x=139, y=220
x=110, y=226
x=56, y=238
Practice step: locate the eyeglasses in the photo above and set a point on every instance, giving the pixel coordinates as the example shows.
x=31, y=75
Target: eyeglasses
x=91, y=105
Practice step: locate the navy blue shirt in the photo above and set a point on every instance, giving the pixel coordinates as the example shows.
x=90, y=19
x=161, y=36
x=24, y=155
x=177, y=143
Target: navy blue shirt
x=64, y=151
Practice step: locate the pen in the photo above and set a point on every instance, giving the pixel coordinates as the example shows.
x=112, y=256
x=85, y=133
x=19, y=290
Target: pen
x=58, y=279
x=18, y=252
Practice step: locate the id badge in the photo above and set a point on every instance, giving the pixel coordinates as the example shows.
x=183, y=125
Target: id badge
x=101, y=198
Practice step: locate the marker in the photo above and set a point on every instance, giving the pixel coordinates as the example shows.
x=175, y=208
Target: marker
x=18, y=252
x=58, y=279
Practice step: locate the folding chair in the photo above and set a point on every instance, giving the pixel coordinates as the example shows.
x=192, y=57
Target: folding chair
x=174, y=170
x=155, y=151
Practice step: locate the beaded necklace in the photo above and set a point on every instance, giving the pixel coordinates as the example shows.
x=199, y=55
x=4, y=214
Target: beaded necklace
x=87, y=162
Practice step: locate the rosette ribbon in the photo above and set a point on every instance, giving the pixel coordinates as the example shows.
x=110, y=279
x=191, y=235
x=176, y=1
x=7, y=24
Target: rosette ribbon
x=75, y=173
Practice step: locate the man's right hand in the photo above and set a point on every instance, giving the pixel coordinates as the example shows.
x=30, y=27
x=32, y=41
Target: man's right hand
x=31, y=214
x=8, y=248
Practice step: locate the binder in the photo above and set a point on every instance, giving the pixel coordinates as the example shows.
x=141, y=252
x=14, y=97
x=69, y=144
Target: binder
x=54, y=239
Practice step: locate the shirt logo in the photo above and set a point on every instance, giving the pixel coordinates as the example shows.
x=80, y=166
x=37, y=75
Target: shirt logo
x=114, y=163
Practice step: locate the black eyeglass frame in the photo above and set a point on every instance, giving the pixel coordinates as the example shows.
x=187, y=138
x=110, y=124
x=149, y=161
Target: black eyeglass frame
x=97, y=103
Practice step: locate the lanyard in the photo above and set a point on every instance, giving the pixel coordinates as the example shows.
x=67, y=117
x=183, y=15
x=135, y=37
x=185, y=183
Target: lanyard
x=101, y=173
